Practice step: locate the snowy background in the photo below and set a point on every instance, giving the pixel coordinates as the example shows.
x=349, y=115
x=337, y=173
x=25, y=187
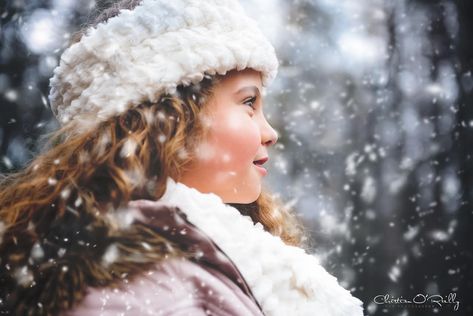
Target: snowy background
x=374, y=108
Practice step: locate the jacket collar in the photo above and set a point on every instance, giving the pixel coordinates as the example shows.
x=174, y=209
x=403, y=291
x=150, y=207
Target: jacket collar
x=284, y=279
x=173, y=224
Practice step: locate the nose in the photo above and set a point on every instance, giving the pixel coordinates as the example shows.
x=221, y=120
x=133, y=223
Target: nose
x=269, y=136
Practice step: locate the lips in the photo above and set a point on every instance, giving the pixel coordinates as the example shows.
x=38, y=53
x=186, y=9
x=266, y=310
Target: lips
x=259, y=165
x=260, y=162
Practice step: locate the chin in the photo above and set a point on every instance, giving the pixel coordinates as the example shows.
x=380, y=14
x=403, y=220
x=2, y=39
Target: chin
x=251, y=196
x=248, y=200
x=245, y=197
x=241, y=200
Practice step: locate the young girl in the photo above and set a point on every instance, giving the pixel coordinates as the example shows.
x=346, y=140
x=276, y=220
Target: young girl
x=150, y=198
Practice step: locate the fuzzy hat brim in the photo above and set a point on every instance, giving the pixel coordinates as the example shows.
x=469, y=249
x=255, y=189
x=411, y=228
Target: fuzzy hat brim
x=142, y=53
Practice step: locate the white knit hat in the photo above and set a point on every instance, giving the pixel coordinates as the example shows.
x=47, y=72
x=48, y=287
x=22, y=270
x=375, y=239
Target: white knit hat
x=141, y=53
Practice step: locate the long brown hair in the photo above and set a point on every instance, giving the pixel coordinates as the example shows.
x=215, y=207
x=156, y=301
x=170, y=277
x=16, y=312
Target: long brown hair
x=126, y=157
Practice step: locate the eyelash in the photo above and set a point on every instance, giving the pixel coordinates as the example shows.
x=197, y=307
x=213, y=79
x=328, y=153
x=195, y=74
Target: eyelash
x=253, y=99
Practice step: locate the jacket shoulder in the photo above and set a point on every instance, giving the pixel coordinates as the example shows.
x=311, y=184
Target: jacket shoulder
x=175, y=286
x=103, y=259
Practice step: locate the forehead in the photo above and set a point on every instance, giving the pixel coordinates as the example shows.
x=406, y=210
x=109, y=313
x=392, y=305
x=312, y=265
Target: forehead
x=232, y=87
x=235, y=79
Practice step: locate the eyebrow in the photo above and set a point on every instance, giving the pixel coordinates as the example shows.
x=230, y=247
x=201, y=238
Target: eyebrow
x=254, y=89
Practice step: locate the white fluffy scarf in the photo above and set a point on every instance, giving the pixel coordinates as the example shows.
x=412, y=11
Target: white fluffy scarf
x=284, y=279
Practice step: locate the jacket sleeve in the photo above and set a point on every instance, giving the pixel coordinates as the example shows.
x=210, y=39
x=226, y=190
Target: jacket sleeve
x=176, y=287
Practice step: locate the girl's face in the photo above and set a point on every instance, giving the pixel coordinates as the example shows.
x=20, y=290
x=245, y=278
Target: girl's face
x=237, y=135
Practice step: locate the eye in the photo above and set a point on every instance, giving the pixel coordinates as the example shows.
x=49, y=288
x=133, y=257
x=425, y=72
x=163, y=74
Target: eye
x=250, y=102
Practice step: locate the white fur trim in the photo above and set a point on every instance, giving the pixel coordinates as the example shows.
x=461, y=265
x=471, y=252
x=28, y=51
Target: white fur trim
x=284, y=279
x=144, y=52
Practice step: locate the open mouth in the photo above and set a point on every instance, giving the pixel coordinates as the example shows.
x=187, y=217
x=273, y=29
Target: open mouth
x=259, y=165
x=260, y=162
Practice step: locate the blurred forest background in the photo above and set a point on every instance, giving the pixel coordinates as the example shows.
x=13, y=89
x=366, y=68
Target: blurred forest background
x=374, y=107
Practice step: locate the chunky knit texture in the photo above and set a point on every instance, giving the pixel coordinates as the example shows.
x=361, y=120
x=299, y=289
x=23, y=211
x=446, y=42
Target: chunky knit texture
x=141, y=53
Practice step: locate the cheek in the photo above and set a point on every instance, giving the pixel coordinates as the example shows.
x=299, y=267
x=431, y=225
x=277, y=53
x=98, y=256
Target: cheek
x=233, y=141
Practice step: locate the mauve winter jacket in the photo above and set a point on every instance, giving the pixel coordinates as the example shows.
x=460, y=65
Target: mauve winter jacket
x=211, y=285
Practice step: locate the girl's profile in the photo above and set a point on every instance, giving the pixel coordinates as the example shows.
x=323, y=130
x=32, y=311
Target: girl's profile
x=150, y=197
